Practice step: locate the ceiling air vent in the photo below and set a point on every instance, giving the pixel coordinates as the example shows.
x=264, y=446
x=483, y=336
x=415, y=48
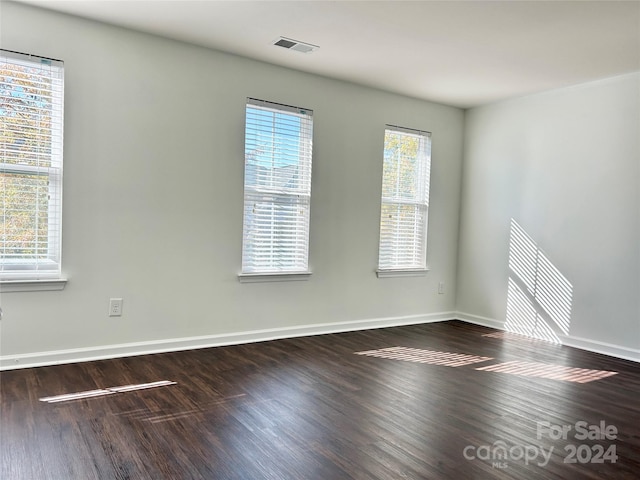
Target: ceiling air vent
x=291, y=44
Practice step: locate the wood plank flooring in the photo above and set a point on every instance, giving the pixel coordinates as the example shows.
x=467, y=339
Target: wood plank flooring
x=310, y=408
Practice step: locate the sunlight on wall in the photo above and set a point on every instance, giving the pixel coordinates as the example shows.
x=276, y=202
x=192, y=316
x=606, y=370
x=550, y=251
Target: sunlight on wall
x=538, y=296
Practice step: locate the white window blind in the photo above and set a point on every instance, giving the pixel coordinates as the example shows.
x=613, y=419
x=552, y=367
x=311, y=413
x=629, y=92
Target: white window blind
x=31, y=112
x=277, y=188
x=405, y=199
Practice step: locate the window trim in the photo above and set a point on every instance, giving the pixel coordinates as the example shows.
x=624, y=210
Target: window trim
x=39, y=285
x=25, y=274
x=408, y=271
x=304, y=197
x=273, y=277
x=405, y=272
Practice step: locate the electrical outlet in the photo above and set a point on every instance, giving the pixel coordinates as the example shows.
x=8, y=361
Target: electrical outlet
x=441, y=288
x=115, y=307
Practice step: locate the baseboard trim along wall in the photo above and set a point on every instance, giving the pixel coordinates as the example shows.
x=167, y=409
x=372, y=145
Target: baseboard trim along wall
x=58, y=357
x=568, y=340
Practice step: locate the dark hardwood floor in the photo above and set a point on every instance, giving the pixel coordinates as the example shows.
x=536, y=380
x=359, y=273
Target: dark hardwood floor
x=310, y=408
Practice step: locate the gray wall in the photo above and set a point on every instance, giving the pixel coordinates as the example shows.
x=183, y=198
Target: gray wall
x=153, y=196
x=153, y=202
x=565, y=165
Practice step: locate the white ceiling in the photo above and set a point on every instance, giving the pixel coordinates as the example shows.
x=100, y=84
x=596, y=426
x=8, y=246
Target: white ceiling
x=462, y=53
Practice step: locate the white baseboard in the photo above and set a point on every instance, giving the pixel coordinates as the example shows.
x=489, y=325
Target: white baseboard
x=617, y=351
x=40, y=359
x=482, y=321
x=602, y=347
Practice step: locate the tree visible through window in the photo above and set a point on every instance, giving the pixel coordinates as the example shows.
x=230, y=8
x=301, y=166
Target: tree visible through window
x=31, y=109
x=405, y=199
x=277, y=188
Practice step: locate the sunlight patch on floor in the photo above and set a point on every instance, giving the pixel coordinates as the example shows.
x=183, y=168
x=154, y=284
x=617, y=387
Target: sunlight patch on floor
x=544, y=370
x=513, y=336
x=431, y=357
x=105, y=391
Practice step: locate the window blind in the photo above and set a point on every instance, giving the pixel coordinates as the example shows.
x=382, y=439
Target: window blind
x=277, y=188
x=31, y=116
x=405, y=199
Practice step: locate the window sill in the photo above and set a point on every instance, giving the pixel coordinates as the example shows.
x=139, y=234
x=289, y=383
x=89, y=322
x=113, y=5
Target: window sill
x=32, y=285
x=410, y=272
x=273, y=277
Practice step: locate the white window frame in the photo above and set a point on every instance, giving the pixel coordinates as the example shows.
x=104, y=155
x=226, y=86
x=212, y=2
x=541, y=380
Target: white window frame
x=403, y=245
x=41, y=270
x=271, y=251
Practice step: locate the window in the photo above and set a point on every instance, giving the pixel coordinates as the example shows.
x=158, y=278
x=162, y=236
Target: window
x=31, y=110
x=277, y=189
x=405, y=201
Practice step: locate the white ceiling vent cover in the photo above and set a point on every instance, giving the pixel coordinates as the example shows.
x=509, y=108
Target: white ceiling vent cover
x=296, y=45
